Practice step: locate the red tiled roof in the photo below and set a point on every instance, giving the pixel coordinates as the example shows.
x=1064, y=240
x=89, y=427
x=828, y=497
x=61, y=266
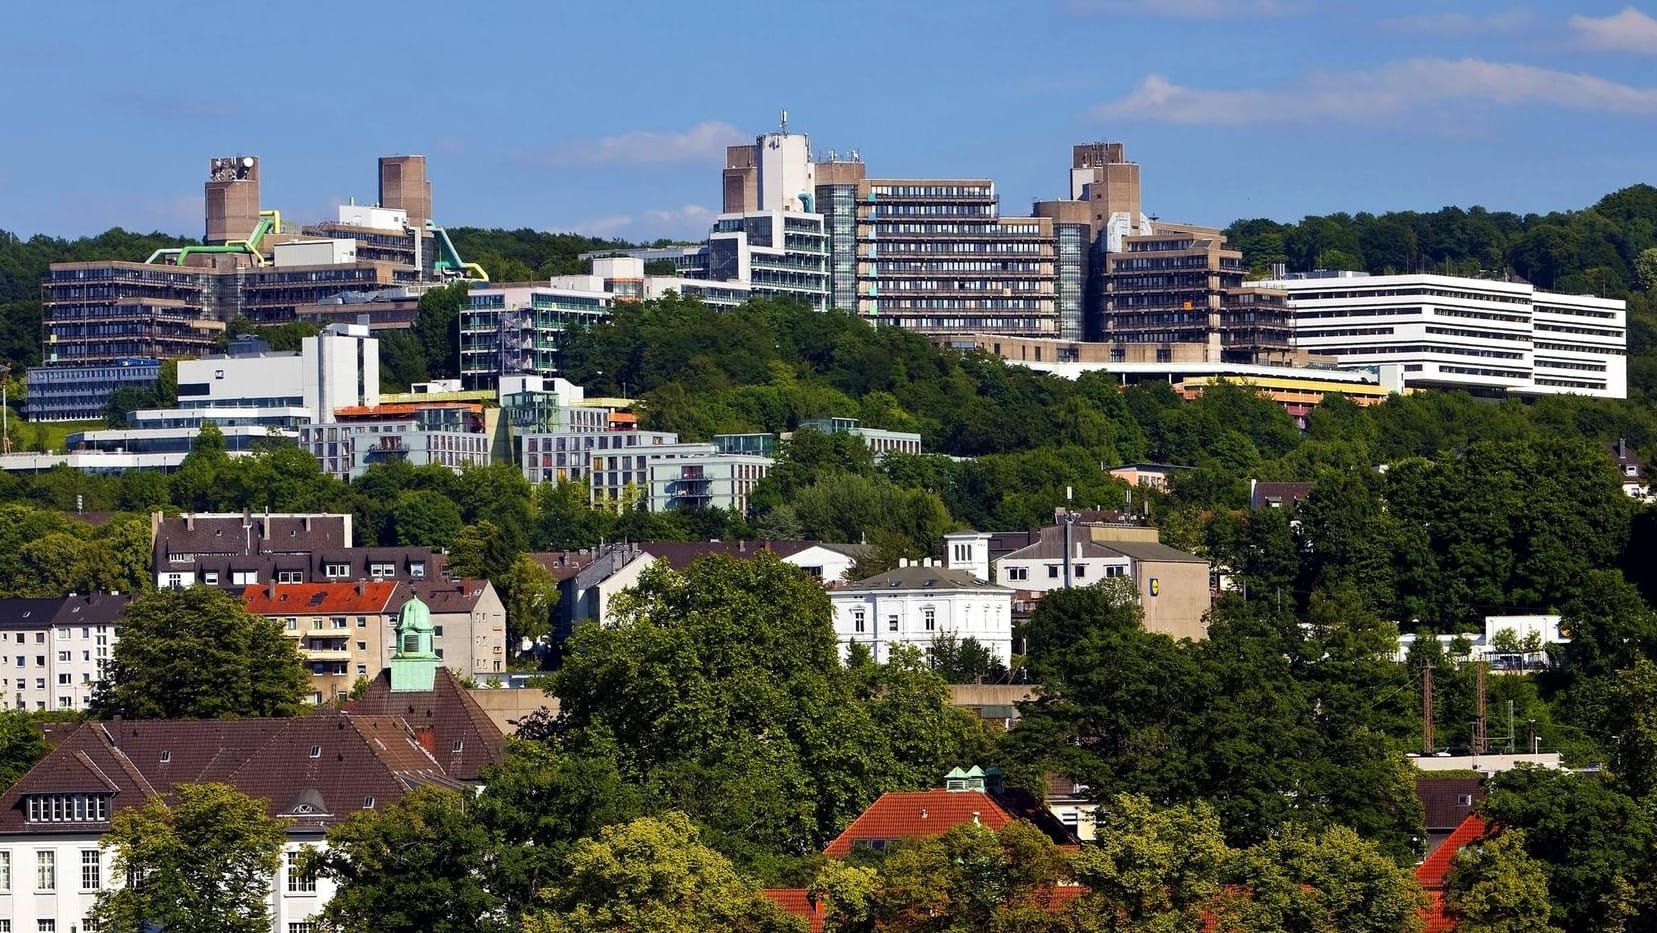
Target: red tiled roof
x=903, y=815
x=794, y=901
x=1432, y=873
x=285, y=599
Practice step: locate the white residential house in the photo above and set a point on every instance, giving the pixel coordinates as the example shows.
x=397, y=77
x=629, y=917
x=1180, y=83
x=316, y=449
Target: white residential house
x=917, y=602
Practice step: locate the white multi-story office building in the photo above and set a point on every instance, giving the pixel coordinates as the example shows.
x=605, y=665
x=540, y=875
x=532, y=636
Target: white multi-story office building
x=1482, y=335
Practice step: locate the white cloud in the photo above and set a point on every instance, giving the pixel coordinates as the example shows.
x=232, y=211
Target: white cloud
x=690, y=222
x=1628, y=31
x=1390, y=90
x=704, y=142
x=1463, y=24
x=1188, y=9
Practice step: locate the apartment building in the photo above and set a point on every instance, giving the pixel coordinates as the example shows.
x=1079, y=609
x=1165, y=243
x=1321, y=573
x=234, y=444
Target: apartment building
x=53, y=652
x=518, y=329
x=343, y=630
x=241, y=549
x=468, y=625
x=881, y=442
x=1485, y=336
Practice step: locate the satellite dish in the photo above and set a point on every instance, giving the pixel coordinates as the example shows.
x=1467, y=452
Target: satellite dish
x=247, y=161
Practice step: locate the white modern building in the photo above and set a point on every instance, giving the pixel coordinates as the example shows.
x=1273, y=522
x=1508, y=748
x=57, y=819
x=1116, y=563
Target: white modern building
x=878, y=440
x=55, y=650
x=1482, y=335
x=1508, y=643
x=916, y=603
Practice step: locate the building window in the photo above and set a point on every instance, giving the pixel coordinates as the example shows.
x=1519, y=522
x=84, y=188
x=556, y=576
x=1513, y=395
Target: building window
x=302, y=926
x=857, y=621
x=67, y=808
x=891, y=623
x=1018, y=573
x=290, y=576
x=299, y=881
x=175, y=581
x=335, y=571
x=46, y=870
x=244, y=577
x=46, y=926
x=1052, y=571
x=1081, y=571
x=368, y=803
x=929, y=616
x=5, y=872
x=316, y=751
x=211, y=578
x=92, y=869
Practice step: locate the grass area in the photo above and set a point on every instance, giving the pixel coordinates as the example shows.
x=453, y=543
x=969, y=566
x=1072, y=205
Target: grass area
x=46, y=435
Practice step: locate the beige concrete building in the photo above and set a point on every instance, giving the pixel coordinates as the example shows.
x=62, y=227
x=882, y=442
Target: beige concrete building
x=469, y=625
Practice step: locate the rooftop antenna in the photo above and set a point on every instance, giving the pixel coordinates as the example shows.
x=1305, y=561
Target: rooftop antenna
x=783, y=117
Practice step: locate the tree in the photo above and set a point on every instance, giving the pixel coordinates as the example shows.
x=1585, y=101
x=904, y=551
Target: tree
x=197, y=654
x=1151, y=868
x=202, y=865
x=21, y=746
x=969, y=878
x=1592, y=842
x=481, y=550
x=529, y=594
x=724, y=683
x=1331, y=880
x=655, y=874
x=1497, y=887
x=425, y=517
x=538, y=802
x=422, y=864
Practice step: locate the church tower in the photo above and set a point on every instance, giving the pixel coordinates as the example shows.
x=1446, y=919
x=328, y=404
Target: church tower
x=414, y=663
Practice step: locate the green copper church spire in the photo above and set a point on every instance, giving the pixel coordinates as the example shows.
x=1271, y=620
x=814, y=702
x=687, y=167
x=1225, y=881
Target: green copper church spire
x=414, y=663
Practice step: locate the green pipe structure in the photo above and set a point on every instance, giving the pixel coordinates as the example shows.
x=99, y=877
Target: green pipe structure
x=450, y=261
x=269, y=222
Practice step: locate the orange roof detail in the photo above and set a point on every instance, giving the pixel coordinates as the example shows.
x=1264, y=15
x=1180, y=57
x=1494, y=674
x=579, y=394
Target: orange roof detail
x=395, y=409
x=793, y=900
x=919, y=814
x=301, y=599
x=1432, y=873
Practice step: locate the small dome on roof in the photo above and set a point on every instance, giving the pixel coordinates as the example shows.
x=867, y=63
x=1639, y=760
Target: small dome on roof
x=415, y=617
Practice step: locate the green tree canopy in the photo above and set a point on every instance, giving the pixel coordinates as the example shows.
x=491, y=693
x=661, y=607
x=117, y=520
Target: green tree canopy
x=205, y=862
x=197, y=654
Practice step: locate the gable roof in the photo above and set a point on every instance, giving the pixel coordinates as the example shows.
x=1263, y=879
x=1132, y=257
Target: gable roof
x=283, y=599
x=1432, y=873
x=1147, y=550
x=92, y=609
x=920, y=577
x=445, y=597
x=446, y=717
x=1051, y=547
x=1268, y=495
x=1441, y=799
x=246, y=534
x=28, y=613
x=314, y=770
x=919, y=814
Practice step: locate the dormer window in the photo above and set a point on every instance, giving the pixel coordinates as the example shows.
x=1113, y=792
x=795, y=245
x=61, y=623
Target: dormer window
x=459, y=746
x=336, y=571
x=68, y=808
x=166, y=757
x=316, y=751
x=368, y=803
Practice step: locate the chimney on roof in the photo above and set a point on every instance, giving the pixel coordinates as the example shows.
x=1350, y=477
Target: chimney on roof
x=1622, y=447
x=427, y=739
x=741, y=546
x=903, y=562
x=975, y=817
x=359, y=588
x=271, y=588
x=190, y=522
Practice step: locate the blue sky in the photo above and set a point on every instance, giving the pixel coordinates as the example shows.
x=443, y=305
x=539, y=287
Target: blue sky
x=610, y=118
